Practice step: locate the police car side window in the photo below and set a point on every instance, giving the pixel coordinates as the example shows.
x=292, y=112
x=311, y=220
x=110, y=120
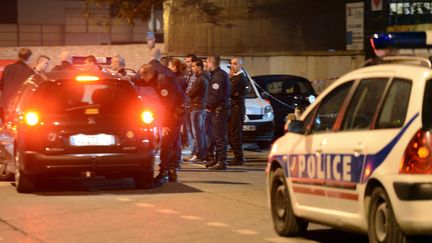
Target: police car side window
x=395, y=105
x=329, y=108
x=364, y=104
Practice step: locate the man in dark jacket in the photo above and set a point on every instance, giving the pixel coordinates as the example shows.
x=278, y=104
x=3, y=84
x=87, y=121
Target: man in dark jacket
x=66, y=62
x=217, y=105
x=14, y=75
x=238, y=109
x=171, y=99
x=198, y=97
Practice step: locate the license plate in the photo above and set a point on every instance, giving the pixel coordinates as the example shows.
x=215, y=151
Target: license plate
x=92, y=140
x=249, y=128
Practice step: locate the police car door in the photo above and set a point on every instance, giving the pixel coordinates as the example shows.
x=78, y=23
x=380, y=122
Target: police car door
x=347, y=148
x=306, y=159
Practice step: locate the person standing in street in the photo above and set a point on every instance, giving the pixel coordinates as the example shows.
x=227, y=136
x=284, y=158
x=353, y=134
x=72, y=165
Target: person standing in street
x=198, y=97
x=91, y=64
x=187, y=135
x=118, y=65
x=238, y=109
x=218, y=102
x=42, y=64
x=171, y=98
x=66, y=62
x=13, y=76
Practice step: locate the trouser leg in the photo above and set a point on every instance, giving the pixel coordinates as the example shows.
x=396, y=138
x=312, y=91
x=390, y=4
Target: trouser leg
x=219, y=126
x=235, y=131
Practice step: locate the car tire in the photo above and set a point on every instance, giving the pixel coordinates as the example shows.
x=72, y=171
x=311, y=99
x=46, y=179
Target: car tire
x=382, y=222
x=144, y=180
x=23, y=183
x=284, y=221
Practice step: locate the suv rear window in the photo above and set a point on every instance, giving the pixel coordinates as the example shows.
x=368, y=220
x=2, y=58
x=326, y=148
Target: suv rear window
x=70, y=96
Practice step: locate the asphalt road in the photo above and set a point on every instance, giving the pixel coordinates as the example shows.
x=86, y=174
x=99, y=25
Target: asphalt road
x=228, y=206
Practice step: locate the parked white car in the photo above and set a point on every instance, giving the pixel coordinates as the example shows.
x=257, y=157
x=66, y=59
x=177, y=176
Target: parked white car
x=360, y=158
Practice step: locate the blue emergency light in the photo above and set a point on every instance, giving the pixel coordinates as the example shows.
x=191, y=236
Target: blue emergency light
x=400, y=40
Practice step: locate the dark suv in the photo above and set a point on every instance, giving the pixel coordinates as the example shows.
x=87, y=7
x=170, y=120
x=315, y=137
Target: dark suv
x=285, y=92
x=69, y=123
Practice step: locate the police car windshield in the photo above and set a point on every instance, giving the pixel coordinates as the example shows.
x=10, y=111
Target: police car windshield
x=70, y=97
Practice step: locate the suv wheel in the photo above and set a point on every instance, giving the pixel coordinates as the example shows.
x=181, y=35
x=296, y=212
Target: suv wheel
x=144, y=180
x=284, y=220
x=23, y=183
x=382, y=223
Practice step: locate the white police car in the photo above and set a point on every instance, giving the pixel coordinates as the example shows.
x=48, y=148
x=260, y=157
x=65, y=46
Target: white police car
x=360, y=157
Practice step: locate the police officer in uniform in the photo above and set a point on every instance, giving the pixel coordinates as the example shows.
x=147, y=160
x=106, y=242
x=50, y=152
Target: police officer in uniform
x=171, y=97
x=218, y=101
x=238, y=109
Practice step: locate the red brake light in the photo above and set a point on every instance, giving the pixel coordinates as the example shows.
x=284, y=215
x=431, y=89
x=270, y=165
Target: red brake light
x=86, y=78
x=147, y=117
x=417, y=157
x=31, y=118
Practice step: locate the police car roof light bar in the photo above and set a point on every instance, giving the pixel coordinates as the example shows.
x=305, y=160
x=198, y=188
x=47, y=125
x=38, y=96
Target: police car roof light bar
x=400, y=40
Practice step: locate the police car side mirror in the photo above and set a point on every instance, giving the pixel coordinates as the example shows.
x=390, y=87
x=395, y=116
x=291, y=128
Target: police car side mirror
x=296, y=126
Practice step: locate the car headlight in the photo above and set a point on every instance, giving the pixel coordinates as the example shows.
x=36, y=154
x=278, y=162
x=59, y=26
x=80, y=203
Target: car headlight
x=268, y=112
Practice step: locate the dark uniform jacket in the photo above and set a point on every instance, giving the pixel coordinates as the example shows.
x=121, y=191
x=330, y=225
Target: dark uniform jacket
x=198, y=92
x=238, y=89
x=169, y=92
x=63, y=66
x=219, y=90
x=13, y=76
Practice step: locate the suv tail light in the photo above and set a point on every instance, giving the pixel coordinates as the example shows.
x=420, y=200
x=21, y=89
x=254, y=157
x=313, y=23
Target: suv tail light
x=417, y=158
x=147, y=117
x=31, y=118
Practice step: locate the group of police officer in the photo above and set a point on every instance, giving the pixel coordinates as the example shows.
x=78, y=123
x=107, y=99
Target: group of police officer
x=211, y=95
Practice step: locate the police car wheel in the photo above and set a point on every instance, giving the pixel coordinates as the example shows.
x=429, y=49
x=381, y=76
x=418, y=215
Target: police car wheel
x=284, y=220
x=382, y=223
x=23, y=183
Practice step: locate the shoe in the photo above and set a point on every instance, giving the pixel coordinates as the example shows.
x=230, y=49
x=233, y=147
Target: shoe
x=191, y=158
x=161, y=178
x=237, y=162
x=218, y=166
x=172, y=175
x=210, y=163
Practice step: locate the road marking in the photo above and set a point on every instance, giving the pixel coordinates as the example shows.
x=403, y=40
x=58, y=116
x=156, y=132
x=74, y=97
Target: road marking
x=145, y=205
x=246, y=232
x=167, y=211
x=276, y=240
x=124, y=199
x=191, y=217
x=217, y=224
